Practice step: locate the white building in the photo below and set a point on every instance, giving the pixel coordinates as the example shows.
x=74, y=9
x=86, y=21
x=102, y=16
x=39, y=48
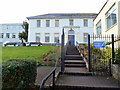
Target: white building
x=47, y=28
x=108, y=19
x=10, y=32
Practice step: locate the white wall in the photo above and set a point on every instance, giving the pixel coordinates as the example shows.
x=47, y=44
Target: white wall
x=33, y=29
x=11, y=28
x=114, y=29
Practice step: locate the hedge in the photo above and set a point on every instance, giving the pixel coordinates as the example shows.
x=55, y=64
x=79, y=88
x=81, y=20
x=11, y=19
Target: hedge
x=18, y=73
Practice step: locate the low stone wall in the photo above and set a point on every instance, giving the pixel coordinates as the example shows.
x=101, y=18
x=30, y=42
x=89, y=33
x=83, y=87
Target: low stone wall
x=116, y=71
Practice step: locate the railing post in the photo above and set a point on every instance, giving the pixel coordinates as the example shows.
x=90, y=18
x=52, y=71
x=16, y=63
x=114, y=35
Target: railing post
x=89, y=54
x=110, y=72
x=113, y=53
x=62, y=51
x=53, y=80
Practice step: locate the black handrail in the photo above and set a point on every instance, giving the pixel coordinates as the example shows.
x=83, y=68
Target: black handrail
x=115, y=59
x=48, y=76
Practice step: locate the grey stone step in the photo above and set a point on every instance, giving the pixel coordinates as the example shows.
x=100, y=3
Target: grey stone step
x=74, y=62
x=75, y=65
x=73, y=57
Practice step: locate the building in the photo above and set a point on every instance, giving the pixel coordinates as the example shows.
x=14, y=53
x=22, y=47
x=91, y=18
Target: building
x=10, y=32
x=47, y=28
x=108, y=19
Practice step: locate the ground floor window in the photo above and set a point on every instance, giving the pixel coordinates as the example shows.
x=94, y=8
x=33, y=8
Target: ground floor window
x=47, y=37
x=13, y=35
x=37, y=37
x=85, y=37
x=56, y=37
x=7, y=35
x=1, y=35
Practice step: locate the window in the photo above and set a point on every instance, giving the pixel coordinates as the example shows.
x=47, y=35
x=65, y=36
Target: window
x=7, y=35
x=1, y=35
x=71, y=22
x=13, y=35
x=37, y=37
x=111, y=17
x=47, y=23
x=56, y=37
x=38, y=23
x=47, y=37
x=56, y=23
x=85, y=22
x=85, y=37
x=98, y=28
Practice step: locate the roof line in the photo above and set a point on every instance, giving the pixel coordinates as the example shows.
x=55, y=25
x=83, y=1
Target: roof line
x=101, y=9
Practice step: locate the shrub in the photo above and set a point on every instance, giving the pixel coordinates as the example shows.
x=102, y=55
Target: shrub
x=117, y=56
x=18, y=73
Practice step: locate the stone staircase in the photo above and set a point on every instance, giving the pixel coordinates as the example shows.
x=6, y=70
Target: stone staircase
x=73, y=61
x=76, y=76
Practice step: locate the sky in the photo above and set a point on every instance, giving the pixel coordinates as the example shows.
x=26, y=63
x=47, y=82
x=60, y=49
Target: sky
x=16, y=11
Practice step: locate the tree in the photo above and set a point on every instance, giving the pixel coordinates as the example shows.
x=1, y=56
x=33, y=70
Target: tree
x=24, y=35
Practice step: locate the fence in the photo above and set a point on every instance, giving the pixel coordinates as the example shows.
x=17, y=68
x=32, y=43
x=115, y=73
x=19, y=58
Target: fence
x=99, y=50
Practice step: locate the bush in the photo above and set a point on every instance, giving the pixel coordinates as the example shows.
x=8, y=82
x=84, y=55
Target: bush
x=18, y=73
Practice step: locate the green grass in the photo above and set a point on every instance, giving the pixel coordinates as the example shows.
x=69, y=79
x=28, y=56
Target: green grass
x=34, y=53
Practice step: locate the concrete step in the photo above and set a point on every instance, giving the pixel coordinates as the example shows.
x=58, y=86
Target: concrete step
x=77, y=71
x=75, y=65
x=73, y=57
x=74, y=62
x=65, y=87
x=86, y=83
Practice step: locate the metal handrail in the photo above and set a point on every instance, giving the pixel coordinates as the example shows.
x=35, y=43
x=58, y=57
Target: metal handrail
x=48, y=76
x=115, y=59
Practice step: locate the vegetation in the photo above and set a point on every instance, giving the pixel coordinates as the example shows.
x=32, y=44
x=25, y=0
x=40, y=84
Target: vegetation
x=32, y=52
x=99, y=56
x=50, y=57
x=18, y=73
x=24, y=35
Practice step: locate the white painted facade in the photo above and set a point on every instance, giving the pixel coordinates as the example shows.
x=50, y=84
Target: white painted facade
x=78, y=28
x=10, y=32
x=110, y=7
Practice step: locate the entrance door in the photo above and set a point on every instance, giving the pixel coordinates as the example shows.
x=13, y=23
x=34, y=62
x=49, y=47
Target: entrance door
x=71, y=39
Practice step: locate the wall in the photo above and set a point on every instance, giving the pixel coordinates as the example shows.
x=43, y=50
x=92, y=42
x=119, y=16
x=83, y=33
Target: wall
x=11, y=28
x=116, y=71
x=52, y=29
x=101, y=16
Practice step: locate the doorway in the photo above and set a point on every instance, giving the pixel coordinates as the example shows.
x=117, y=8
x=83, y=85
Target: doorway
x=71, y=37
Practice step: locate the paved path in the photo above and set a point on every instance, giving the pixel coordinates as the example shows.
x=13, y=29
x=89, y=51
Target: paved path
x=87, y=81
x=42, y=72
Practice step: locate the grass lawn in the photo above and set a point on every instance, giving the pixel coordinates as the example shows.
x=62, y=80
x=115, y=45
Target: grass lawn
x=32, y=52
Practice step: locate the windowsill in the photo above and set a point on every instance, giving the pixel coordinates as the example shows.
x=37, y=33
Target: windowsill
x=111, y=27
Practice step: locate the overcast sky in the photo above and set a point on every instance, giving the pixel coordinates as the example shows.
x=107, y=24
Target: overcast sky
x=16, y=11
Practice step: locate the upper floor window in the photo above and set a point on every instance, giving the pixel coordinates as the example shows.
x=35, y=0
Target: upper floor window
x=13, y=35
x=98, y=28
x=1, y=35
x=7, y=35
x=47, y=23
x=71, y=22
x=38, y=23
x=85, y=22
x=56, y=23
x=111, y=17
